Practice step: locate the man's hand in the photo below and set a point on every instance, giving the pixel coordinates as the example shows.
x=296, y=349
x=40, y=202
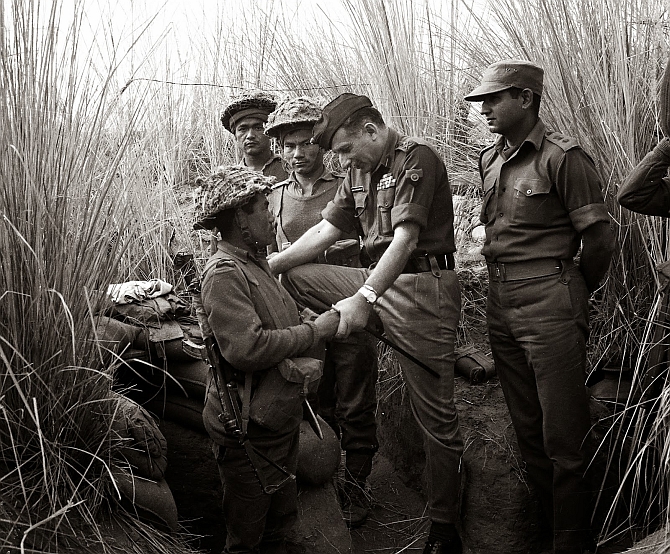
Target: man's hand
x=327, y=324
x=354, y=314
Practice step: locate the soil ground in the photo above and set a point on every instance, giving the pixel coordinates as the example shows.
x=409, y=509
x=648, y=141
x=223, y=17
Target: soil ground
x=500, y=513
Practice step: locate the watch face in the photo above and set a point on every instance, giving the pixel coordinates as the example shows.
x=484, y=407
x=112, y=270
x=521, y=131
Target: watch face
x=369, y=295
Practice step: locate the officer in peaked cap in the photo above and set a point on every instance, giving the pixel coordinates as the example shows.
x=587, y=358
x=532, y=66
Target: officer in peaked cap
x=245, y=117
x=396, y=193
x=542, y=200
x=508, y=74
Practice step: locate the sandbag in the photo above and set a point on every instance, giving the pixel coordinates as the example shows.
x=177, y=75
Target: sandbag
x=143, y=445
x=179, y=409
x=151, y=501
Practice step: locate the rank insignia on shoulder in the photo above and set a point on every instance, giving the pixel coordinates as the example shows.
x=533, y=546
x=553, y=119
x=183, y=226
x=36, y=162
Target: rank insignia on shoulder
x=386, y=182
x=357, y=188
x=413, y=175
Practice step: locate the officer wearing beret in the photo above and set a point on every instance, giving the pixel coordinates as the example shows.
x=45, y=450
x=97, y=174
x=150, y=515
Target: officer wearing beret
x=347, y=395
x=245, y=117
x=396, y=192
x=542, y=200
x=257, y=329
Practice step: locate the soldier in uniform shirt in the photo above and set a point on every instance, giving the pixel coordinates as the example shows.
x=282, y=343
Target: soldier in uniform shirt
x=347, y=395
x=397, y=193
x=542, y=201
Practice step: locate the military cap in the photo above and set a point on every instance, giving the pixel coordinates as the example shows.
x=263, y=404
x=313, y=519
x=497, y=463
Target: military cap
x=506, y=74
x=300, y=111
x=228, y=187
x=335, y=114
x=252, y=103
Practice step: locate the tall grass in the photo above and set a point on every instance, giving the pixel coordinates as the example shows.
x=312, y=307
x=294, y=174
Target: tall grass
x=63, y=212
x=101, y=186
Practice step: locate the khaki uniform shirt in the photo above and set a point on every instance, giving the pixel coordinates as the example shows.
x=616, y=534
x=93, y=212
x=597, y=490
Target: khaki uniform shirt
x=409, y=184
x=240, y=297
x=274, y=167
x=538, y=200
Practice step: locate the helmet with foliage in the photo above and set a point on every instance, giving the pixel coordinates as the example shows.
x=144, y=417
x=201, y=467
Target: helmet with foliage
x=228, y=187
x=296, y=112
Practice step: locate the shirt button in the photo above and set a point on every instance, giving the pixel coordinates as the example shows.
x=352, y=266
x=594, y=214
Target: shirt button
x=529, y=191
x=500, y=214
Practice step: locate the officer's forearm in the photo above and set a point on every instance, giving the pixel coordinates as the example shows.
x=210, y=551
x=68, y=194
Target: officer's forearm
x=394, y=260
x=312, y=243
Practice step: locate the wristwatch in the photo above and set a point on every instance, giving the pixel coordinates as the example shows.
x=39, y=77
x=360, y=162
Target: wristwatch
x=368, y=293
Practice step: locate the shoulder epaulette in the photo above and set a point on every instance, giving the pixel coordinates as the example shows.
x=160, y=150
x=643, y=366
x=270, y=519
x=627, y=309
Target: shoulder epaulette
x=406, y=143
x=563, y=142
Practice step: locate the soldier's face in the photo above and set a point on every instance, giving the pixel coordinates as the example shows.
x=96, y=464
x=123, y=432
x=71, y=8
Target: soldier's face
x=303, y=157
x=251, y=140
x=359, y=149
x=503, y=112
x=259, y=221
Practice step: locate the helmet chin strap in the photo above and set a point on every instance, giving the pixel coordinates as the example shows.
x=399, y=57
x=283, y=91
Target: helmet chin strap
x=247, y=237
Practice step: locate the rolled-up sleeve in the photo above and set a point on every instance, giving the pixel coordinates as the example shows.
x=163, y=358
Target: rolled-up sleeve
x=579, y=186
x=341, y=209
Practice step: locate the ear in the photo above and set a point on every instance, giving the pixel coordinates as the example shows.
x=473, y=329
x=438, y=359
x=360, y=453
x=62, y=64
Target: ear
x=371, y=129
x=526, y=98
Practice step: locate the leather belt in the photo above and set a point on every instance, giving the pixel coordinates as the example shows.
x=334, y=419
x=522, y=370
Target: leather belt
x=517, y=271
x=429, y=262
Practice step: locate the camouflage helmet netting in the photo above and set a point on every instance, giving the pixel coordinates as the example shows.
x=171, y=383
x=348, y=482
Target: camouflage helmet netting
x=228, y=187
x=291, y=113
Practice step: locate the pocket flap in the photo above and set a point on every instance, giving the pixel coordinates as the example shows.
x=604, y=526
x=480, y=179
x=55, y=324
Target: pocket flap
x=301, y=370
x=531, y=187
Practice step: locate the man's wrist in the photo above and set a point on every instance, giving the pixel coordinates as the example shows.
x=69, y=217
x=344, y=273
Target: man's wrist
x=370, y=294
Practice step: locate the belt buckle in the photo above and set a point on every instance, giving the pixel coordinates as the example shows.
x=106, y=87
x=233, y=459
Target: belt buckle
x=498, y=272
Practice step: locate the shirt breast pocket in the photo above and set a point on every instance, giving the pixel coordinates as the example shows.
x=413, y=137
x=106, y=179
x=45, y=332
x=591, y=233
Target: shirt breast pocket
x=532, y=203
x=385, y=200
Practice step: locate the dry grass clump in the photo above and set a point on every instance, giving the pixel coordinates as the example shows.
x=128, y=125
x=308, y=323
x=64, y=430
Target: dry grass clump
x=62, y=218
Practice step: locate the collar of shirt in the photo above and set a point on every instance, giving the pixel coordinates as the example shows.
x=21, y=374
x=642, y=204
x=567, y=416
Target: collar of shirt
x=297, y=189
x=270, y=161
x=388, y=154
x=239, y=254
x=535, y=137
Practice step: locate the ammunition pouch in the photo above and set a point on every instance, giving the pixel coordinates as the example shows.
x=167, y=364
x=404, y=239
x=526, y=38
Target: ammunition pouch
x=276, y=402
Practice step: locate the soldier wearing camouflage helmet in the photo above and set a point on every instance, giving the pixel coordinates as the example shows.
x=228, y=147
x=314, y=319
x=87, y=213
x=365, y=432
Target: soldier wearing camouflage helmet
x=257, y=329
x=244, y=117
x=347, y=396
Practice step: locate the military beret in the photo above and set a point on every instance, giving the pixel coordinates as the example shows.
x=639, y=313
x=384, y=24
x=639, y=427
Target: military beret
x=253, y=103
x=335, y=114
x=228, y=187
x=506, y=74
x=300, y=111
